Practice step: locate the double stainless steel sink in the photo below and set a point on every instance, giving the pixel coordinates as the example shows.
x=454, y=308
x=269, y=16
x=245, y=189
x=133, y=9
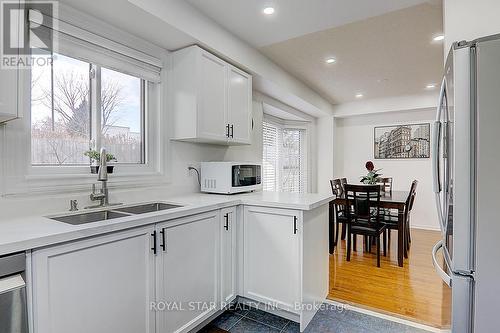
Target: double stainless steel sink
x=114, y=213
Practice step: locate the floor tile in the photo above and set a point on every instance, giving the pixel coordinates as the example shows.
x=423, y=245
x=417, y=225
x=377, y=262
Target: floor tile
x=239, y=309
x=212, y=329
x=267, y=318
x=291, y=327
x=226, y=320
x=329, y=319
x=250, y=326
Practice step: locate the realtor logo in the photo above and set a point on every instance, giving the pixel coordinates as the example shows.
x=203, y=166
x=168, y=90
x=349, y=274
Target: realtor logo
x=27, y=32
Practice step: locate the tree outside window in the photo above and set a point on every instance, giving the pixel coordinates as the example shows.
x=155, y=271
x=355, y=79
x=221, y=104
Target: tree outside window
x=62, y=118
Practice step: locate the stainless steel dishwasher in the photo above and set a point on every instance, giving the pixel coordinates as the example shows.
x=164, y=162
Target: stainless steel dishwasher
x=13, y=307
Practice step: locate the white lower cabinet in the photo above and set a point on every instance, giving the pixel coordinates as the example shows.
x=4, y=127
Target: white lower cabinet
x=173, y=276
x=272, y=240
x=228, y=255
x=103, y=284
x=187, y=271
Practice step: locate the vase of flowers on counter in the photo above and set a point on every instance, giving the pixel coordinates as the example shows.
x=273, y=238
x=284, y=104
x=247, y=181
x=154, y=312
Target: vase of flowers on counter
x=372, y=176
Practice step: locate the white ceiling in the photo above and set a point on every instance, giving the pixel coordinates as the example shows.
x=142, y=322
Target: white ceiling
x=385, y=56
x=382, y=47
x=292, y=18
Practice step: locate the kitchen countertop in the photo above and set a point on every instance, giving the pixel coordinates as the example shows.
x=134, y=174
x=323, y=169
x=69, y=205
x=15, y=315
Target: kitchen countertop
x=30, y=232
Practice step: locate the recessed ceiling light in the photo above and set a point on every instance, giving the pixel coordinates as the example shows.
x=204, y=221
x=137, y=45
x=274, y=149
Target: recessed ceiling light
x=430, y=86
x=359, y=95
x=268, y=10
x=438, y=38
x=330, y=60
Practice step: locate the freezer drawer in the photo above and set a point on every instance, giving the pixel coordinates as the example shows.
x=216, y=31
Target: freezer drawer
x=462, y=303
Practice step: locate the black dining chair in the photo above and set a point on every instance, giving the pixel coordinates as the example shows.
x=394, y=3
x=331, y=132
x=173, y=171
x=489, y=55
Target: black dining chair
x=385, y=184
x=340, y=213
x=391, y=221
x=364, y=215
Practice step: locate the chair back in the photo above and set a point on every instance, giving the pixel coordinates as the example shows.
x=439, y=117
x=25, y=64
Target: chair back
x=412, y=195
x=364, y=201
x=385, y=184
x=337, y=187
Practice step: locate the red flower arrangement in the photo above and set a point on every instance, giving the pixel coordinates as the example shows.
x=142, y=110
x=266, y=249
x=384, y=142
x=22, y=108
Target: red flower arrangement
x=372, y=176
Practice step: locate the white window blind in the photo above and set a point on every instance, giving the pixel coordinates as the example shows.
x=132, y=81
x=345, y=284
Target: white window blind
x=89, y=47
x=284, y=159
x=270, y=157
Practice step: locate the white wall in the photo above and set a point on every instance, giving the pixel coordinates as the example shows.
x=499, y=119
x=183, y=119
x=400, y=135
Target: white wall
x=470, y=19
x=325, y=128
x=354, y=146
x=387, y=104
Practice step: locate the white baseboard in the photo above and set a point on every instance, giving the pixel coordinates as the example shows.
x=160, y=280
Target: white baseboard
x=425, y=227
x=387, y=317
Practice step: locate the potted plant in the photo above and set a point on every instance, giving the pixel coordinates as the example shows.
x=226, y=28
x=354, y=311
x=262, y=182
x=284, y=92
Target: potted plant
x=372, y=176
x=95, y=157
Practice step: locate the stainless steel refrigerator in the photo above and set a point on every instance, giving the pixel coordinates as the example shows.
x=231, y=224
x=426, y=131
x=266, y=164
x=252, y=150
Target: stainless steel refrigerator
x=466, y=169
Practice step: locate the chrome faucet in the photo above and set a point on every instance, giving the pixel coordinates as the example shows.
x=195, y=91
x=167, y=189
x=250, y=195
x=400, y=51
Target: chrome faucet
x=102, y=176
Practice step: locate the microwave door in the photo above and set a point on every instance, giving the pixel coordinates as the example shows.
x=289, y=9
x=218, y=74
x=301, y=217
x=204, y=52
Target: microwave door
x=246, y=175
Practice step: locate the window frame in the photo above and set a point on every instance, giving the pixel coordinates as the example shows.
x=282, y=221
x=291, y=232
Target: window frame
x=95, y=116
x=295, y=125
x=95, y=113
x=27, y=178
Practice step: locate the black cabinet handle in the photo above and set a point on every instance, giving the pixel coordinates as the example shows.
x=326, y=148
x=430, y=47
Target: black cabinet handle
x=154, y=242
x=295, y=225
x=163, y=245
x=232, y=131
x=227, y=130
x=226, y=226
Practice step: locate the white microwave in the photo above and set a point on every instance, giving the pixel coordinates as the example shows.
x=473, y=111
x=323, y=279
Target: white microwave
x=230, y=177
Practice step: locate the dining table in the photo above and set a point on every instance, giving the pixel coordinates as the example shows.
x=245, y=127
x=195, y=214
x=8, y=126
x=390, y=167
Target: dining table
x=389, y=200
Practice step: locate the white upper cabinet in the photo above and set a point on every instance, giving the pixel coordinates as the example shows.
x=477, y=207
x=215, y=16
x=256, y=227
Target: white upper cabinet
x=239, y=103
x=9, y=91
x=211, y=99
x=9, y=109
x=212, y=102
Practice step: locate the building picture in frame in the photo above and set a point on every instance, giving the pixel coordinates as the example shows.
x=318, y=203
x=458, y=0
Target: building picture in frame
x=402, y=141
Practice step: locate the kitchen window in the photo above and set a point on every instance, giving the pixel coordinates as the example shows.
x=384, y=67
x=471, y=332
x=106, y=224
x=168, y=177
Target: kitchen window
x=67, y=119
x=104, y=88
x=284, y=158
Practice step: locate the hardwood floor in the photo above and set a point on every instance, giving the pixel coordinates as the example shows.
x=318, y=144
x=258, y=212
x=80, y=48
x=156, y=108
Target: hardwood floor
x=413, y=292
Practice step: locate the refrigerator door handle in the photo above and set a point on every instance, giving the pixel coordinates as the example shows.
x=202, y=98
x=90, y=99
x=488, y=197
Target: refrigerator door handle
x=442, y=274
x=435, y=158
x=442, y=103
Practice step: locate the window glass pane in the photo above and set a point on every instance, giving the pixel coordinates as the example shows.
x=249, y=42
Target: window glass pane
x=293, y=175
x=60, y=113
x=122, y=116
x=284, y=159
